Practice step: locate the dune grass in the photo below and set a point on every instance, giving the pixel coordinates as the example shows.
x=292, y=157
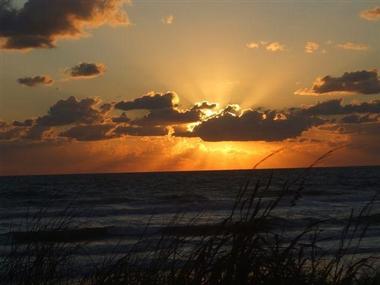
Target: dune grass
x=244, y=248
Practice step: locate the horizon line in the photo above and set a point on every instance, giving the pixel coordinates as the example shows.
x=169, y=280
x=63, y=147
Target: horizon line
x=181, y=171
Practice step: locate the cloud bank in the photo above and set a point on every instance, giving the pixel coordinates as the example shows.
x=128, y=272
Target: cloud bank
x=253, y=125
x=89, y=119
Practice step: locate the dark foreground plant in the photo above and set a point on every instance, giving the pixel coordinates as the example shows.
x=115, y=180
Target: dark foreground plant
x=37, y=254
x=245, y=249
x=251, y=245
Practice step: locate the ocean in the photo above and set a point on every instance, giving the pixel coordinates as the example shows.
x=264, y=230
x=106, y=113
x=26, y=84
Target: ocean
x=108, y=213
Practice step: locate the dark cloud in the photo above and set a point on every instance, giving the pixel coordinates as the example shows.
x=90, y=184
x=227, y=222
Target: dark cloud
x=36, y=132
x=141, y=131
x=357, y=119
x=330, y=107
x=23, y=131
x=86, y=70
x=253, y=125
x=365, y=107
x=150, y=102
x=351, y=119
x=362, y=82
x=165, y=117
x=335, y=107
x=35, y=80
x=11, y=133
x=40, y=23
x=25, y=123
x=123, y=118
x=71, y=111
x=88, y=132
x=163, y=110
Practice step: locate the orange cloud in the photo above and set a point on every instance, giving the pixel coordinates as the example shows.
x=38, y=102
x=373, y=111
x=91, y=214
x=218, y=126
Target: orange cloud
x=271, y=46
x=371, y=14
x=252, y=45
x=275, y=47
x=168, y=20
x=353, y=46
x=311, y=47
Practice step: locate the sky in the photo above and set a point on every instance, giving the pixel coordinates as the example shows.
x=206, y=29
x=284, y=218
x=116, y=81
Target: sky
x=123, y=86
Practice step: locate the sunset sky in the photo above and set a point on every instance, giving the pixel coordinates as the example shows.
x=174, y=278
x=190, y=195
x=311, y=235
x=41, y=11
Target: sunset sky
x=120, y=86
